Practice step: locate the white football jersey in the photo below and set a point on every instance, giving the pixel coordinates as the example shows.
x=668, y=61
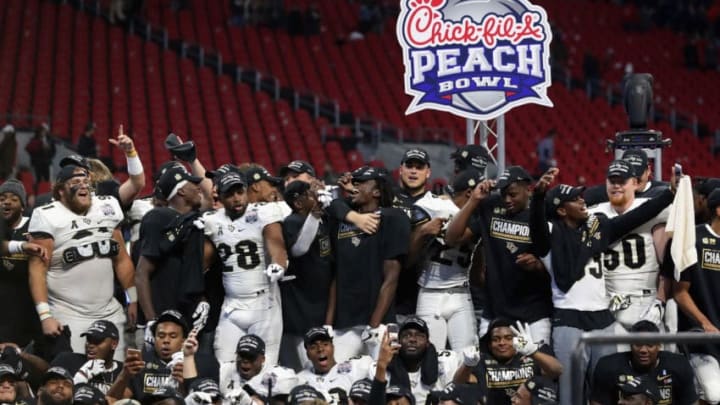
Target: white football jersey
x=447, y=267
x=80, y=277
x=587, y=294
x=630, y=265
x=241, y=247
x=341, y=376
x=448, y=363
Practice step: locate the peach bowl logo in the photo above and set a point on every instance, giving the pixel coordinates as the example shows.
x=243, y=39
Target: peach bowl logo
x=474, y=58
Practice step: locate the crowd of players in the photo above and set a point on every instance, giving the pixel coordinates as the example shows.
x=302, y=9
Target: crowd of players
x=237, y=286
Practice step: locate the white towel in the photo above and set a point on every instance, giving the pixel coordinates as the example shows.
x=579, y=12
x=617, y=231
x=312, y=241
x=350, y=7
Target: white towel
x=681, y=227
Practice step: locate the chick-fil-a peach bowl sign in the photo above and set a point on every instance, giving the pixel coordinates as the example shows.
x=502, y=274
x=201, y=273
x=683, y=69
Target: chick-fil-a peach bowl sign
x=474, y=58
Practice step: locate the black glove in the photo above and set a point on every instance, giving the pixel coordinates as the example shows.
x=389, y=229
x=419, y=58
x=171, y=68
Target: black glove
x=183, y=151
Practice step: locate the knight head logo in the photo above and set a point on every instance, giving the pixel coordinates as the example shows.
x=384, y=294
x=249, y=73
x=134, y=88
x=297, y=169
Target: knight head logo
x=474, y=58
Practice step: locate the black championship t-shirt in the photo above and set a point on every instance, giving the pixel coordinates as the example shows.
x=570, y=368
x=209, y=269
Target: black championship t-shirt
x=359, y=265
x=511, y=291
x=673, y=375
x=305, y=298
x=156, y=374
x=704, y=279
x=21, y=324
x=500, y=380
x=72, y=362
x=175, y=246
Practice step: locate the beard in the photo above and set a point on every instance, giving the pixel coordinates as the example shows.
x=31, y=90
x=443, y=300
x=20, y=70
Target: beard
x=47, y=399
x=618, y=200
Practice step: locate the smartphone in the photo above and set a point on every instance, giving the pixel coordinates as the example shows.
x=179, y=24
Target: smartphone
x=393, y=331
x=133, y=353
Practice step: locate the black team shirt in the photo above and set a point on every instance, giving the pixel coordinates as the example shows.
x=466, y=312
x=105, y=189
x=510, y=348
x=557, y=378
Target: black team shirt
x=305, y=298
x=500, y=380
x=175, y=246
x=511, y=291
x=359, y=265
x=21, y=324
x=704, y=279
x=672, y=374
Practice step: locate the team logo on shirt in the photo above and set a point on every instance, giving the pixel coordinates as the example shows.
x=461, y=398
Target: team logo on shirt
x=355, y=241
x=711, y=259
x=509, y=230
x=151, y=382
x=505, y=377
x=107, y=210
x=251, y=217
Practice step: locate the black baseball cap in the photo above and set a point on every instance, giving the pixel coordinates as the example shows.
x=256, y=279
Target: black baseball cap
x=76, y=160
x=316, y=333
x=639, y=385
x=713, y=200
x=563, y=193
x=620, y=168
x=302, y=393
x=512, y=174
x=255, y=174
x=466, y=179
x=215, y=175
x=250, y=345
x=164, y=167
x=707, y=186
x=57, y=372
x=361, y=389
x=415, y=322
x=294, y=190
x=399, y=391
x=365, y=173
x=166, y=392
x=476, y=156
x=89, y=395
x=6, y=369
x=416, y=154
x=299, y=167
x=463, y=394
x=206, y=385
x=173, y=316
x=68, y=172
x=230, y=180
x=102, y=329
x=638, y=159
x=169, y=181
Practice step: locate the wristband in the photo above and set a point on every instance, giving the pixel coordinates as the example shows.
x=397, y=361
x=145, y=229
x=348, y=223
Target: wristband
x=131, y=153
x=15, y=247
x=131, y=294
x=134, y=166
x=43, y=310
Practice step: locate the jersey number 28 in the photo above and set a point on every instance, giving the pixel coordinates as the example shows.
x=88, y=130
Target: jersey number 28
x=248, y=256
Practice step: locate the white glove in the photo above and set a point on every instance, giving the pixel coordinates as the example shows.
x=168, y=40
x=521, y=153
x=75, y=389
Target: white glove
x=324, y=197
x=330, y=330
x=523, y=340
x=372, y=335
x=89, y=370
x=274, y=272
x=200, y=316
x=238, y=396
x=655, y=313
x=619, y=302
x=149, y=337
x=471, y=356
x=198, y=398
x=177, y=358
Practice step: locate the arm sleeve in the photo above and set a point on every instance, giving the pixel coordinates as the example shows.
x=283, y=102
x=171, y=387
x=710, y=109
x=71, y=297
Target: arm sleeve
x=396, y=234
x=305, y=237
x=418, y=216
x=539, y=229
x=622, y=224
x=377, y=393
